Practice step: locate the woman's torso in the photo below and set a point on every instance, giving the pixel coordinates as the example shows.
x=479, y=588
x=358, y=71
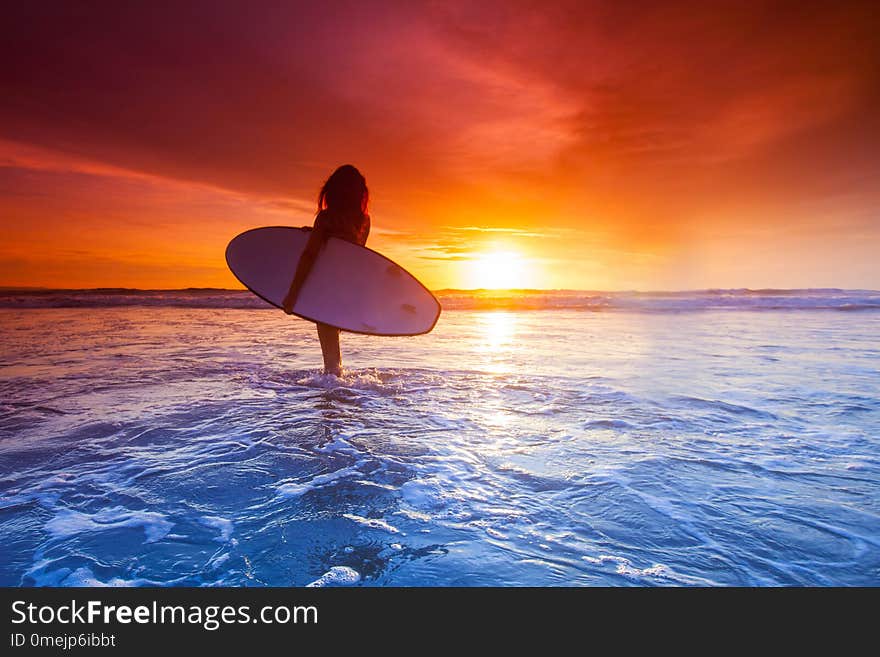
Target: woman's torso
x=350, y=227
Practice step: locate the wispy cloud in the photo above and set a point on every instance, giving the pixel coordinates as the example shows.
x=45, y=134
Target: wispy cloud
x=494, y=229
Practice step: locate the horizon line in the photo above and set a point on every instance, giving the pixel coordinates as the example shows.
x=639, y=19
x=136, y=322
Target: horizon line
x=42, y=288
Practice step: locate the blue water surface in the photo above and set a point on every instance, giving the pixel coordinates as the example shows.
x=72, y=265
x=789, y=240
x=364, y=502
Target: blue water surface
x=200, y=446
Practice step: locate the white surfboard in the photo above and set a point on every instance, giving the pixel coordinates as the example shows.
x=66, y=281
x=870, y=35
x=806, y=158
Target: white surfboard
x=350, y=287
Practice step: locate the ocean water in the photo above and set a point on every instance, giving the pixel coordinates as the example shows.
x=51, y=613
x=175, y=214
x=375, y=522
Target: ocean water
x=188, y=438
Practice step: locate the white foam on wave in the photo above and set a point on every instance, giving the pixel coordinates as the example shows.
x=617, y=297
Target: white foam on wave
x=218, y=560
x=224, y=526
x=372, y=523
x=46, y=493
x=85, y=577
x=337, y=576
x=413, y=515
x=339, y=444
x=295, y=489
x=625, y=567
x=68, y=522
x=319, y=380
x=43, y=575
x=368, y=379
x=494, y=533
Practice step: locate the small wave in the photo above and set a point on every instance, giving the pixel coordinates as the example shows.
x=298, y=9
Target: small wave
x=657, y=571
x=85, y=577
x=585, y=300
x=608, y=424
x=68, y=522
x=114, y=297
x=367, y=379
x=625, y=567
x=223, y=525
x=296, y=489
x=725, y=407
x=372, y=523
x=337, y=576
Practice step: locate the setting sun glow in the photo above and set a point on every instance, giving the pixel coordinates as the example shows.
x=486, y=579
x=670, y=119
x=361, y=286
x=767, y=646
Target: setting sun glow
x=496, y=270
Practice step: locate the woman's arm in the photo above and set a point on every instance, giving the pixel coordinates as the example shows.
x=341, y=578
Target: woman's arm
x=306, y=262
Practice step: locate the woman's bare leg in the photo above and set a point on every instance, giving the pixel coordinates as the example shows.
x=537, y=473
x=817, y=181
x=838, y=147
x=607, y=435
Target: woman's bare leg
x=329, y=337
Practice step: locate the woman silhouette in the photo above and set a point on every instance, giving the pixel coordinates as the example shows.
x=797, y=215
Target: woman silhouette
x=342, y=213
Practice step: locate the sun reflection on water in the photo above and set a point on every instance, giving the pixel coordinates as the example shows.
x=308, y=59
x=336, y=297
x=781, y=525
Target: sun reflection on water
x=496, y=338
x=498, y=329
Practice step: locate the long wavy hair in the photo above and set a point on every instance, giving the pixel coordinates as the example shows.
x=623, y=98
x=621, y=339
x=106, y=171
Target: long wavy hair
x=345, y=192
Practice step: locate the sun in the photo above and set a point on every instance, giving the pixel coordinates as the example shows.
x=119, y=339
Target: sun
x=497, y=270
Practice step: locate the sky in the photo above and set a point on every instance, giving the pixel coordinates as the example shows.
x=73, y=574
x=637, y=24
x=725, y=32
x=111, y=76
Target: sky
x=582, y=145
